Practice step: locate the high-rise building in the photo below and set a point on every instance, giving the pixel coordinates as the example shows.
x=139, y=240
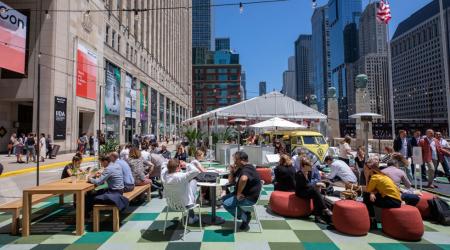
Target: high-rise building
x=289, y=83
x=223, y=44
x=115, y=72
x=321, y=76
x=303, y=67
x=217, y=84
x=417, y=66
x=202, y=30
x=243, y=85
x=340, y=14
x=373, y=62
x=262, y=88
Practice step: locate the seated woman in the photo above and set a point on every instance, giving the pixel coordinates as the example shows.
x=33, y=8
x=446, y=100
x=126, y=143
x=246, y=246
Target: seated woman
x=399, y=176
x=181, y=153
x=381, y=191
x=136, y=163
x=284, y=175
x=70, y=168
x=305, y=189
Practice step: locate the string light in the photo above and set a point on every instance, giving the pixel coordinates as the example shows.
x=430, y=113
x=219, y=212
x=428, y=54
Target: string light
x=314, y=4
x=136, y=15
x=86, y=14
x=241, y=8
x=47, y=15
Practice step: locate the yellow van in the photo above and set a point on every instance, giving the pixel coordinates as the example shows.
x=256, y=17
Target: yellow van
x=313, y=141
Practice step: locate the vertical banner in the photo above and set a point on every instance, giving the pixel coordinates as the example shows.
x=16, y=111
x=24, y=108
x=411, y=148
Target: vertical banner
x=86, y=72
x=130, y=97
x=143, y=103
x=59, y=130
x=13, y=37
x=112, y=90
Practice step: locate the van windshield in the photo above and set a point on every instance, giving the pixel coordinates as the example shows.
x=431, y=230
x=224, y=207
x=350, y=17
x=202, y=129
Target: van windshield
x=313, y=140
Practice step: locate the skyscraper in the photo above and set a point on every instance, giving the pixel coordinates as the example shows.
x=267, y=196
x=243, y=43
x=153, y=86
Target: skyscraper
x=223, y=44
x=289, y=83
x=243, y=85
x=262, y=88
x=340, y=14
x=417, y=66
x=202, y=30
x=373, y=62
x=303, y=67
x=321, y=76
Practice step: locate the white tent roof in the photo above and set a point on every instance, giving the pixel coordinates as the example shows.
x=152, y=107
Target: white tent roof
x=273, y=104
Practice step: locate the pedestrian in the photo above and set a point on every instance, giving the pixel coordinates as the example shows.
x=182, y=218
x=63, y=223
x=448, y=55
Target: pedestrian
x=428, y=145
x=11, y=143
x=345, y=151
x=42, y=148
x=48, y=143
x=18, y=150
x=173, y=139
x=30, y=147
x=402, y=144
x=91, y=144
x=443, y=151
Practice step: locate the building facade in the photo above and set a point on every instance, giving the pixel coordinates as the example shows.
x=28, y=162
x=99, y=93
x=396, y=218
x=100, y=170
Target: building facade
x=243, y=85
x=202, y=30
x=289, y=83
x=262, y=88
x=373, y=62
x=321, y=75
x=303, y=67
x=101, y=70
x=223, y=44
x=417, y=66
x=340, y=14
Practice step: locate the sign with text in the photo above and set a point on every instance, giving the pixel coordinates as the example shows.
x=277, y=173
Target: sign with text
x=112, y=90
x=60, y=120
x=86, y=72
x=417, y=155
x=13, y=37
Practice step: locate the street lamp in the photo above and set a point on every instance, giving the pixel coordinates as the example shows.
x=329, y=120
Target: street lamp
x=366, y=117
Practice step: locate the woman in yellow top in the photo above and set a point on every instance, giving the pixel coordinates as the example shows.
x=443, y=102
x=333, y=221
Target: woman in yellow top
x=381, y=190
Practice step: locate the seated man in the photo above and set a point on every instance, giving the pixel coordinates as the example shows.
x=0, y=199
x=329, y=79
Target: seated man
x=164, y=152
x=154, y=171
x=341, y=173
x=247, y=188
x=399, y=176
x=113, y=176
x=181, y=186
x=128, y=180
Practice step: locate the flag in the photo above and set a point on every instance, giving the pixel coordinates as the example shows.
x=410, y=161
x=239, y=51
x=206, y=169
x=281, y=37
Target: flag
x=384, y=12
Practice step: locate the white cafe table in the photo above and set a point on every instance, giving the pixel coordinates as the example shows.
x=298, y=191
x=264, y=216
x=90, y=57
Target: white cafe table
x=213, y=219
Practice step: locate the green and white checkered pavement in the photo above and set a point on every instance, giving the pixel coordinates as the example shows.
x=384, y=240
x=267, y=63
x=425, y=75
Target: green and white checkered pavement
x=142, y=226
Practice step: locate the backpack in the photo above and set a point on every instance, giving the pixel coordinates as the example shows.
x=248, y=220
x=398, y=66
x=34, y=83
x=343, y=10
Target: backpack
x=210, y=177
x=440, y=211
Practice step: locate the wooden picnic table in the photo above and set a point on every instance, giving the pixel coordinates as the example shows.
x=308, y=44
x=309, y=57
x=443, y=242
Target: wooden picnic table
x=61, y=187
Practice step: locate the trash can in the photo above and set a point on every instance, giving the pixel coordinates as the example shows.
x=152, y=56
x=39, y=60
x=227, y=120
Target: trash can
x=55, y=150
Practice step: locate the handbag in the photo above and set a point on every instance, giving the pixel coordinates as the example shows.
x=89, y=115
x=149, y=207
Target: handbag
x=210, y=177
x=351, y=192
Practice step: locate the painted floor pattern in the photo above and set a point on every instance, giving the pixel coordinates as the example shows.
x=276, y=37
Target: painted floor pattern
x=142, y=228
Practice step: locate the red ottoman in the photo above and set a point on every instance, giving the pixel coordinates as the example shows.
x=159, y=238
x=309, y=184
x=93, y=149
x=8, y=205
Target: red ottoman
x=404, y=223
x=423, y=207
x=265, y=174
x=351, y=217
x=289, y=205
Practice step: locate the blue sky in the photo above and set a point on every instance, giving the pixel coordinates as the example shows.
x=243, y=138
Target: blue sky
x=264, y=34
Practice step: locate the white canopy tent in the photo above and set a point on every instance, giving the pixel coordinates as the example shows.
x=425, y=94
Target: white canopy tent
x=273, y=104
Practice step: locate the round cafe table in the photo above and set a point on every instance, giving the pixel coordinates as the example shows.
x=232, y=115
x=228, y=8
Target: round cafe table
x=213, y=219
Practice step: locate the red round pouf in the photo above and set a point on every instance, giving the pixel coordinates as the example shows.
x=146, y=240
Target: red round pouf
x=265, y=174
x=289, y=205
x=351, y=217
x=423, y=207
x=404, y=223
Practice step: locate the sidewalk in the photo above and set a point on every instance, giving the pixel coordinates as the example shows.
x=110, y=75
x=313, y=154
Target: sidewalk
x=11, y=167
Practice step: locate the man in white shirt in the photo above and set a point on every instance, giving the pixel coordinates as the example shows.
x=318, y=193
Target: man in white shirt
x=340, y=171
x=443, y=153
x=180, y=187
x=125, y=152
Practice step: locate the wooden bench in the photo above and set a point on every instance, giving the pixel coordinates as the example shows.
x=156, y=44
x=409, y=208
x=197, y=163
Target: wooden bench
x=115, y=211
x=16, y=206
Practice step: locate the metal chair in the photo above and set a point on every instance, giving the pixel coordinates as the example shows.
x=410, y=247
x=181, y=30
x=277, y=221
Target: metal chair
x=252, y=207
x=175, y=205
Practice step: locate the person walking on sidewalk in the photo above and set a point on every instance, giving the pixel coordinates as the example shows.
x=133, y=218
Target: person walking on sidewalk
x=30, y=144
x=48, y=144
x=11, y=144
x=42, y=147
x=18, y=150
x=428, y=145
